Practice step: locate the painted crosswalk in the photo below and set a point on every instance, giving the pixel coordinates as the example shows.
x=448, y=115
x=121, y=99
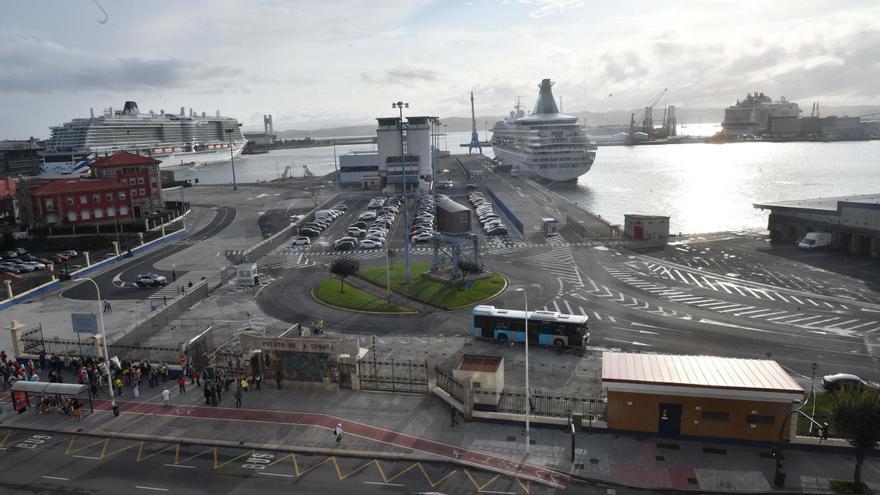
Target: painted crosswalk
x=719, y=284
x=593, y=289
x=801, y=315
x=182, y=283
x=559, y=262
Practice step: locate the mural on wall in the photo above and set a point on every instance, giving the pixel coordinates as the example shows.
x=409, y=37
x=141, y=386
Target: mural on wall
x=302, y=366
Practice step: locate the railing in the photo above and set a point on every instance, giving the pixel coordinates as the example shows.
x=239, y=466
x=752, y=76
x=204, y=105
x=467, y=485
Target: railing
x=394, y=376
x=542, y=403
x=448, y=383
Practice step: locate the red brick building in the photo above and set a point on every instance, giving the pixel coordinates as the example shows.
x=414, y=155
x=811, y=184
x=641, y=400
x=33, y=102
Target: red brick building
x=80, y=201
x=139, y=173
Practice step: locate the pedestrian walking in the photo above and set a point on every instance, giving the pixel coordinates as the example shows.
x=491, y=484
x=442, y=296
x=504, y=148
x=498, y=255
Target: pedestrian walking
x=118, y=385
x=278, y=378
x=166, y=397
x=257, y=380
x=107, y=307
x=207, y=392
x=181, y=383
x=237, y=396
x=136, y=390
x=198, y=376
x=217, y=391
x=244, y=384
x=338, y=432
x=452, y=413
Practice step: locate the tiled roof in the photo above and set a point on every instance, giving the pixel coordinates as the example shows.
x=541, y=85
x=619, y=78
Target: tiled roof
x=123, y=158
x=68, y=186
x=697, y=371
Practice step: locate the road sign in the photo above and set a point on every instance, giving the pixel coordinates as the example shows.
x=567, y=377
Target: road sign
x=84, y=323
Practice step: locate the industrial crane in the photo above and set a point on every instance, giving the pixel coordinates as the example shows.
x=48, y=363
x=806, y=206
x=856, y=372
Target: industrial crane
x=647, y=119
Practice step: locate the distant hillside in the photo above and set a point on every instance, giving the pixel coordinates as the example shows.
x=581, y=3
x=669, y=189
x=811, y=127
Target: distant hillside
x=685, y=116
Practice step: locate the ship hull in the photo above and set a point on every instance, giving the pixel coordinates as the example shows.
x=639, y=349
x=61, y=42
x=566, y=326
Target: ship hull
x=77, y=163
x=521, y=162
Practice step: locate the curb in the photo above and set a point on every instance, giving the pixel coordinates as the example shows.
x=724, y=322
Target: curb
x=340, y=308
x=241, y=445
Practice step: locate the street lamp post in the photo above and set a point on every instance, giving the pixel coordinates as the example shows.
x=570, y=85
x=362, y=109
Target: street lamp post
x=232, y=158
x=400, y=106
x=336, y=168
x=528, y=397
x=104, y=342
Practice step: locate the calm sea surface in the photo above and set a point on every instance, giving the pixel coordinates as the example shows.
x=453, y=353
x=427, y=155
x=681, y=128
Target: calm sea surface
x=703, y=187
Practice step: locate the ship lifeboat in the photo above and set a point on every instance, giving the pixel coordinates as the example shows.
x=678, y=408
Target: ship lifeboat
x=178, y=149
x=157, y=150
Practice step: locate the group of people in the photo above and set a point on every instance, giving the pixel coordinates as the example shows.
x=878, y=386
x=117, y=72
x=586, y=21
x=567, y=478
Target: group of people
x=63, y=405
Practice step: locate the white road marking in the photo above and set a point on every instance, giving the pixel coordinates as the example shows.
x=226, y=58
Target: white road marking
x=87, y=457
x=796, y=299
x=55, y=478
x=151, y=488
x=821, y=321
x=180, y=466
x=597, y=316
x=278, y=475
x=735, y=307
x=750, y=312
x=568, y=306
x=859, y=326
x=556, y=306
x=398, y=484
x=840, y=325
x=806, y=319
x=812, y=302
x=612, y=319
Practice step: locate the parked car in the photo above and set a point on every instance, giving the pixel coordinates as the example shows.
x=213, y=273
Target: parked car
x=422, y=237
x=70, y=253
x=356, y=232
x=35, y=264
x=151, y=280
x=309, y=232
x=845, y=380
x=10, y=254
x=301, y=241
x=9, y=268
x=340, y=207
x=497, y=231
x=344, y=245
x=370, y=244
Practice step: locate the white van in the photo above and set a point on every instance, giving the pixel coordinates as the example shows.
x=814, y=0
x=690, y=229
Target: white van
x=815, y=240
x=323, y=215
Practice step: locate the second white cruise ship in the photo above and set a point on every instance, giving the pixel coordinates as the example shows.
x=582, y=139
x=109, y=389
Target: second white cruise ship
x=546, y=144
x=175, y=139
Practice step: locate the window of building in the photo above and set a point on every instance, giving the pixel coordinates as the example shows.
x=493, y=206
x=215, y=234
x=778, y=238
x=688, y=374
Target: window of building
x=109, y=196
x=96, y=198
x=760, y=419
x=463, y=218
x=83, y=199
x=50, y=205
x=133, y=192
x=86, y=215
x=721, y=417
x=70, y=201
x=99, y=213
x=111, y=212
x=140, y=180
x=123, y=210
x=141, y=192
x=121, y=195
x=71, y=215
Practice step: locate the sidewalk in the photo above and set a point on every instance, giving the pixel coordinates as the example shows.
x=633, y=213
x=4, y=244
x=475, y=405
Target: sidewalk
x=416, y=426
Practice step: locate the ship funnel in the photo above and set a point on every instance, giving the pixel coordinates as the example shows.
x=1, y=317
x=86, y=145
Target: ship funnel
x=182, y=111
x=92, y=112
x=546, y=103
x=130, y=108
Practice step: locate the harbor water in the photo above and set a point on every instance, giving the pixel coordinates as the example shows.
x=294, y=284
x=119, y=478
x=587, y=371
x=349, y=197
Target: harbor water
x=703, y=187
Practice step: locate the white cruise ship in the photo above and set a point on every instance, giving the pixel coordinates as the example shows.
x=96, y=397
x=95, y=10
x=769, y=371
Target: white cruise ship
x=546, y=144
x=752, y=115
x=175, y=139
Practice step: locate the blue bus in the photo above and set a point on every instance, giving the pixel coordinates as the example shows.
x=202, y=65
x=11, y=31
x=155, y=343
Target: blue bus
x=547, y=328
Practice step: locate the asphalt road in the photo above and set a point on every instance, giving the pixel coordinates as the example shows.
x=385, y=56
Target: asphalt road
x=47, y=462
x=117, y=282
x=641, y=303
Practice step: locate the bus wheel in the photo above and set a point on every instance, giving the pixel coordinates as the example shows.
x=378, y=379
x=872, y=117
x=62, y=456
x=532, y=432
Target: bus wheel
x=502, y=337
x=559, y=343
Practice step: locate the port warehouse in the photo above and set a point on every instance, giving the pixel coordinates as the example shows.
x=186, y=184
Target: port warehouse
x=853, y=221
x=698, y=396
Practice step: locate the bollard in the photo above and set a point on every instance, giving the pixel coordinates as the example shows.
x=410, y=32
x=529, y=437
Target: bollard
x=86, y=256
x=116, y=247
x=141, y=238
x=9, y=294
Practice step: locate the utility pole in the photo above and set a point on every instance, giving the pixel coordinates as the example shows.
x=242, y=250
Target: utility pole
x=401, y=105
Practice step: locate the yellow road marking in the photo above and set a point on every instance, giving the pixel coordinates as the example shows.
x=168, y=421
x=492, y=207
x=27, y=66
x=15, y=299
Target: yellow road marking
x=441, y=480
x=71, y=450
x=477, y=485
x=525, y=486
x=218, y=466
x=357, y=470
x=141, y=449
x=313, y=466
x=5, y=437
x=178, y=461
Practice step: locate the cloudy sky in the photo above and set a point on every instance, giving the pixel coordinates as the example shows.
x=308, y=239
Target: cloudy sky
x=339, y=62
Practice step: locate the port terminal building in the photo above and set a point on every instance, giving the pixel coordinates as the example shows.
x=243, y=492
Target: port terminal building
x=698, y=396
x=853, y=221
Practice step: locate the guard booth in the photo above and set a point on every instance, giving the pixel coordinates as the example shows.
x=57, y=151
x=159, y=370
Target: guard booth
x=24, y=391
x=548, y=225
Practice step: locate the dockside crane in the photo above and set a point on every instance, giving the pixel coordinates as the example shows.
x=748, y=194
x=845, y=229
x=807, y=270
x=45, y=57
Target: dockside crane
x=648, y=120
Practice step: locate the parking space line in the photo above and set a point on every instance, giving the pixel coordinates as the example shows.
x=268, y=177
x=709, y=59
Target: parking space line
x=791, y=315
x=859, y=326
x=822, y=321
x=151, y=488
x=744, y=313
x=767, y=314
x=841, y=324
x=390, y=484
x=806, y=319
x=278, y=475
x=781, y=297
x=796, y=299
x=180, y=466
x=812, y=302
x=729, y=307
x=568, y=306
x=55, y=478
x=597, y=316
x=691, y=275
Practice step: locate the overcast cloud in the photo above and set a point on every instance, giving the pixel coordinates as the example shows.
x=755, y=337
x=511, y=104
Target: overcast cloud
x=342, y=62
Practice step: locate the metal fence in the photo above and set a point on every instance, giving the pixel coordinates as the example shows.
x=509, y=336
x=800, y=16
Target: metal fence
x=35, y=343
x=447, y=382
x=541, y=403
x=32, y=340
x=394, y=376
